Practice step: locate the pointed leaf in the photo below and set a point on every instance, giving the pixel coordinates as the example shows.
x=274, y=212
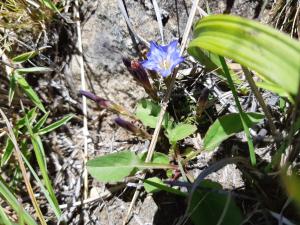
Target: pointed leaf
x=29, y=92
x=9, y=197
x=226, y=126
x=113, y=167
x=116, y=166
x=56, y=124
x=154, y=184
x=180, y=131
x=24, y=56
x=40, y=123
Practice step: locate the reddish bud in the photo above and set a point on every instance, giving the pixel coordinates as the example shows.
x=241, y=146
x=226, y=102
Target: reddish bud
x=140, y=75
x=100, y=101
x=132, y=128
x=202, y=101
x=106, y=104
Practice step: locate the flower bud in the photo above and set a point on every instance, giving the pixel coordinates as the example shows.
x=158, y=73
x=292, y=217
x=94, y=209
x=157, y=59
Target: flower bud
x=106, y=104
x=103, y=103
x=140, y=75
x=202, y=101
x=132, y=128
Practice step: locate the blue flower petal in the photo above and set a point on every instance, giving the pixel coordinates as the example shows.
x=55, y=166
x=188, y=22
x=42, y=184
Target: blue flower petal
x=163, y=58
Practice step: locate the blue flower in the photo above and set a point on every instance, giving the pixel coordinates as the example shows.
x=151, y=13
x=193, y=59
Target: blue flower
x=163, y=58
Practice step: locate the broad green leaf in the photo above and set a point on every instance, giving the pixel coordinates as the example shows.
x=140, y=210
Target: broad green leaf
x=56, y=124
x=226, y=126
x=116, y=166
x=154, y=184
x=180, y=131
x=212, y=62
x=148, y=111
x=24, y=56
x=9, y=197
x=157, y=157
x=256, y=46
x=211, y=207
x=275, y=89
x=29, y=92
x=34, y=70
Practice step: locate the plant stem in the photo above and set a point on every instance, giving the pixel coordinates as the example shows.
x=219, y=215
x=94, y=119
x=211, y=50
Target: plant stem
x=261, y=101
x=243, y=116
x=84, y=104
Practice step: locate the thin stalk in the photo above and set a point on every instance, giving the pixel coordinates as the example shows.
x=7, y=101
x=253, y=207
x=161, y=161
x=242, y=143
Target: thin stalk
x=261, y=102
x=23, y=169
x=243, y=116
x=84, y=104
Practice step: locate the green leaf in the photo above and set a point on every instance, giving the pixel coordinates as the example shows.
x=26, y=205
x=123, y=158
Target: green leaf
x=12, y=88
x=31, y=114
x=154, y=184
x=40, y=123
x=4, y=218
x=276, y=89
x=256, y=46
x=212, y=63
x=226, y=126
x=56, y=124
x=34, y=70
x=29, y=92
x=9, y=146
x=41, y=160
x=52, y=201
x=180, y=131
x=24, y=56
x=9, y=197
x=49, y=4
x=116, y=166
x=113, y=167
x=211, y=207
x=157, y=157
x=148, y=111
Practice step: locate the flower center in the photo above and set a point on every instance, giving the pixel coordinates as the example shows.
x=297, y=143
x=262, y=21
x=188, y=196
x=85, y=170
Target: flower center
x=165, y=64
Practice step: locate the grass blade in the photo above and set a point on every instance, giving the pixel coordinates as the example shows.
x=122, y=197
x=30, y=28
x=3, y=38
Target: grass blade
x=14, y=203
x=23, y=170
x=56, y=124
x=243, y=116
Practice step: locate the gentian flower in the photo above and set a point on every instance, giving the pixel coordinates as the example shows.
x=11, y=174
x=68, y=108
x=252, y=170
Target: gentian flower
x=163, y=58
